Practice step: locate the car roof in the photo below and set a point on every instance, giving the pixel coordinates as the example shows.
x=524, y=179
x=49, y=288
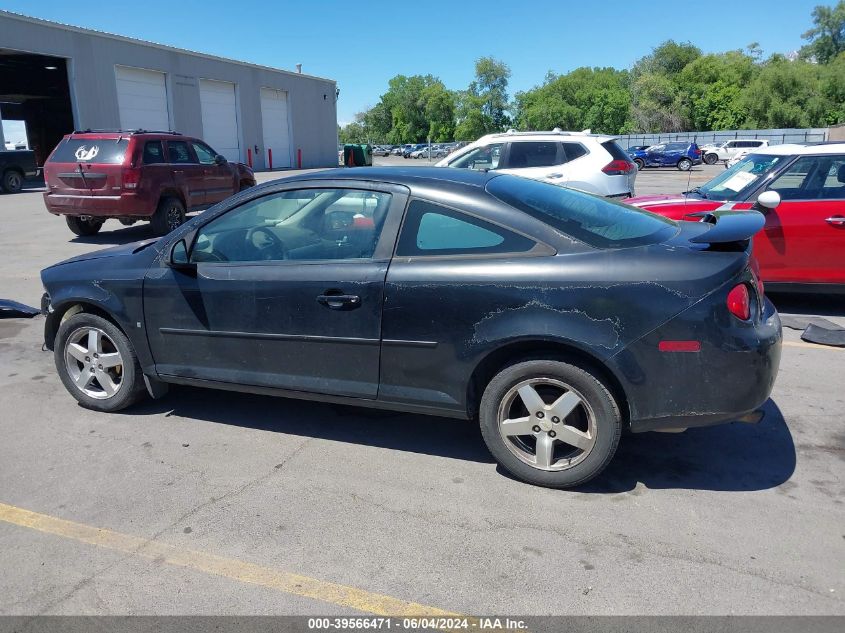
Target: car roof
x=801, y=149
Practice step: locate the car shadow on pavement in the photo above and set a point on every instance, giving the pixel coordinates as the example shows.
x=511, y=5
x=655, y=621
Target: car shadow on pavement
x=729, y=457
x=808, y=303
x=117, y=237
x=428, y=435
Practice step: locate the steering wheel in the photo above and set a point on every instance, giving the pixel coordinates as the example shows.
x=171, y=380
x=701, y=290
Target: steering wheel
x=266, y=244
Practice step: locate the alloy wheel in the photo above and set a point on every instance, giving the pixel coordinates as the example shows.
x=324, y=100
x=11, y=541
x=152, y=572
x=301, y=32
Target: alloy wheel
x=547, y=424
x=174, y=217
x=13, y=181
x=94, y=363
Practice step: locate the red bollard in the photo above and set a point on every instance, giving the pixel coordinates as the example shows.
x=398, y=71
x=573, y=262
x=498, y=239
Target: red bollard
x=299, y=158
x=249, y=157
x=270, y=156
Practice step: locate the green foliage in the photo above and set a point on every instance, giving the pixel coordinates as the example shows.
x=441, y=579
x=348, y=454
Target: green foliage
x=827, y=37
x=674, y=88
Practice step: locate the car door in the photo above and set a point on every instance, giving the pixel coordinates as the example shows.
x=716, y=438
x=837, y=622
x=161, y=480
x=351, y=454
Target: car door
x=188, y=174
x=284, y=291
x=654, y=155
x=803, y=240
x=219, y=178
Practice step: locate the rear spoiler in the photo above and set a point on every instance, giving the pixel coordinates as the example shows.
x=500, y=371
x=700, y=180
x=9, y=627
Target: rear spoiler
x=728, y=226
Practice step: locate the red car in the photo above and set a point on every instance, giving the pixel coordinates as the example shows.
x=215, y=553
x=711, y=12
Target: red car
x=139, y=175
x=801, y=191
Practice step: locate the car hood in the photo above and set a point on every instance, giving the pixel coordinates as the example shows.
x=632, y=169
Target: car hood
x=125, y=250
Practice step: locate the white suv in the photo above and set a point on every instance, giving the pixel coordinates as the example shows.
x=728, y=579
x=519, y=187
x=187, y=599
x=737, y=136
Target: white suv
x=711, y=153
x=588, y=162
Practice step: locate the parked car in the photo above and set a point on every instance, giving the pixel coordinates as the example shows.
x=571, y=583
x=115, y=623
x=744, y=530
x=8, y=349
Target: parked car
x=801, y=191
x=409, y=149
x=15, y=167
x=397, y=151
x=380, y=150
x=421, y=152
x=682, y=155
x=712, y=153
x=131, y=176
x=553, y=317
x=588, y=162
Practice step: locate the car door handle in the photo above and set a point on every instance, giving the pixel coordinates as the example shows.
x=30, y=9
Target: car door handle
x=836, y=220
x=340, y=302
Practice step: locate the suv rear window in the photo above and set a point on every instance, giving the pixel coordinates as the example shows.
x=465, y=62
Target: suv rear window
x=102, y=151
x=595, y=221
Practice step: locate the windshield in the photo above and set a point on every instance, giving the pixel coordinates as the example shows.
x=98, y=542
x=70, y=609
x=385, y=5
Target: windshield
x=596, y=221
x=741, y=178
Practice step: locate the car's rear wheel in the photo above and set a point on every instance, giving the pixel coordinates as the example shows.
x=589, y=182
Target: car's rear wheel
x=640, y=163
x=12, y=181
x=83, y=227
x=550, y=423
x=97, y=364
x=169, y=216
x=710, y=159
x=685, y=164
x=245, y=184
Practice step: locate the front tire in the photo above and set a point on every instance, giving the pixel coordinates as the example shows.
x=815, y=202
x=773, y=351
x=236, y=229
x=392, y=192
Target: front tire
x=97, y=363
x=550, y=423
x=12, y=181
x=169, y=216
x=685, y=164
x=640, y=163
x=711, y=159
x=83, y=228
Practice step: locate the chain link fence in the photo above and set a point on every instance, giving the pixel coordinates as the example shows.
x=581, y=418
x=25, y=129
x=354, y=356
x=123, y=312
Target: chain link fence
x=775, y=137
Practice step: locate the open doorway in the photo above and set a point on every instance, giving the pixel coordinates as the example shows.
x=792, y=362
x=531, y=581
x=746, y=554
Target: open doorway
x=34, y=90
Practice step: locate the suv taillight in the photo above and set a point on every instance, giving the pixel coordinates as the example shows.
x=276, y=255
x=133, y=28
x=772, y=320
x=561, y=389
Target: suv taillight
x=739, y=302
x=131, y=177
x=619, y=168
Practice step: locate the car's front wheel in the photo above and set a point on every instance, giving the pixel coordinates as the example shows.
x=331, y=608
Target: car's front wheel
x=97, y=364
x=710, y=159
x=169, y=216
x=640, y=163
x=685, y=164
x=83, y=227
x=550, y=423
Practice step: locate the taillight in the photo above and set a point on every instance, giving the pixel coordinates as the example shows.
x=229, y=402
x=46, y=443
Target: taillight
x=619, y=168
x=739, y=303
x=131, y=177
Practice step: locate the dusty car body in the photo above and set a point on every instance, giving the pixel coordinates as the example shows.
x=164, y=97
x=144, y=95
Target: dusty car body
x=638, y=324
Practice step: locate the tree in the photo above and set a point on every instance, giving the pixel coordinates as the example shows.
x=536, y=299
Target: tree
x=827, y=37
x=483, y=107
x=711, y=90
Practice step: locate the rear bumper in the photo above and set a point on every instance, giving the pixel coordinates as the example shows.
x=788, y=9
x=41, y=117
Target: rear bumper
x=728, y=379
x=123, y=205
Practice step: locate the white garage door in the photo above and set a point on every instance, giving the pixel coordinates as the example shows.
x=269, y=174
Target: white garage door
x=141, y=99
x=220, y=118
x=274, y=120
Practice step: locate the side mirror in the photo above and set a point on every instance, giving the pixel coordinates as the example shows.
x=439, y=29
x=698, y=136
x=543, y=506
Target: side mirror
x=179, y=257
x=220, y=159
x=768, y=200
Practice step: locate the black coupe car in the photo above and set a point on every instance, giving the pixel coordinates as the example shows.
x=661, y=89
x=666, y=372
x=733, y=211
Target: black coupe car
x=555, y=318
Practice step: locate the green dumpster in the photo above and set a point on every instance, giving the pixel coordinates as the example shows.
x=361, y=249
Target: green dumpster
x=357, y=155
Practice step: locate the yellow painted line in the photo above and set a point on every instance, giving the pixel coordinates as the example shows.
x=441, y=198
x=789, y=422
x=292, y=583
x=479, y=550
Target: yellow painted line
x=231, y=568
x=828, y=348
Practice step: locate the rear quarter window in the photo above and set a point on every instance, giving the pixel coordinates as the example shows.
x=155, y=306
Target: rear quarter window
x=598, y=222
x=96, y=151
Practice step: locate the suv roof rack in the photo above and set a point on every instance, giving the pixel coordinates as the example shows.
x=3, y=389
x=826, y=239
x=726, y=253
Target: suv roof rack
x=119, y=131
x=556, y=131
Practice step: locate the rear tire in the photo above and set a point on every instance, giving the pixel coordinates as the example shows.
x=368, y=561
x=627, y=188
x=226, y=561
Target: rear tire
x=640, y=163
x=685, y=164
x=245, y=185
x=12, y=181
x=83, y=228
x=587, y=414
x=711, y=159
x=169, y=216
x=97, y=363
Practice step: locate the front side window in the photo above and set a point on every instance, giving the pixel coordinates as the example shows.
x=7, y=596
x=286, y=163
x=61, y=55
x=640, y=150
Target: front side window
x=811, y=178
x=431, y=229
x=205, y=154
x=739, y=180
x=486, y=157
x=596, y=221
x=524, y=154
x=304, y=224
x=178, y=151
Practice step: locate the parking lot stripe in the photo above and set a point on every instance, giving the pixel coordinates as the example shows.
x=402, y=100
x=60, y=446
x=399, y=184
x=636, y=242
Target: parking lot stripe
x=828, y=348
x=231, y=568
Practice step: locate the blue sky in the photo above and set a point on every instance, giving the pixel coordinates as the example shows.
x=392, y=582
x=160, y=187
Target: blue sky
x=363, y=44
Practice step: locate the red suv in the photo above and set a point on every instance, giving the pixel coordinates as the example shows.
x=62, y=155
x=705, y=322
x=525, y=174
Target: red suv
x=156, y=176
